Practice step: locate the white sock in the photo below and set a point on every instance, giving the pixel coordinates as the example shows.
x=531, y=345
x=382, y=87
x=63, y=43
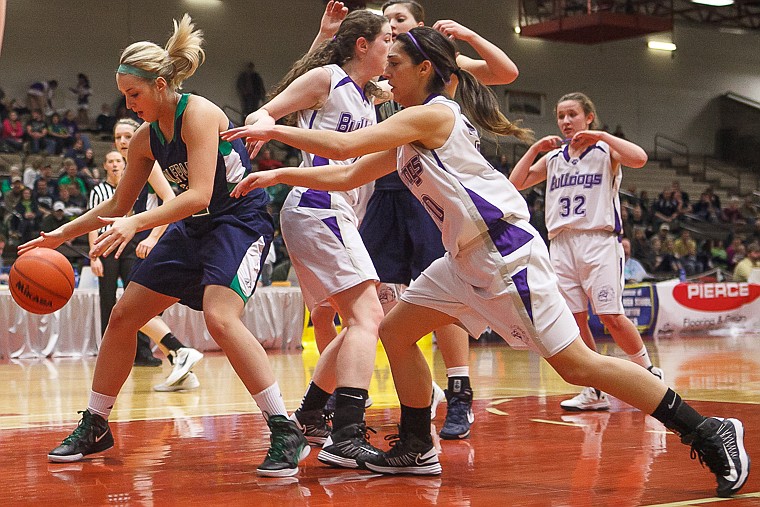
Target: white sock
x=458, y=371
x=270, y=401
x=641, y=357
x=101, y=404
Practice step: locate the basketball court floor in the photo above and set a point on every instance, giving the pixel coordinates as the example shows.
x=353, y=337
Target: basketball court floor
x=202, y=447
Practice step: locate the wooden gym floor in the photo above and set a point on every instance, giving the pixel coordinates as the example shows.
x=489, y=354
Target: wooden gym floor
x=202, y=447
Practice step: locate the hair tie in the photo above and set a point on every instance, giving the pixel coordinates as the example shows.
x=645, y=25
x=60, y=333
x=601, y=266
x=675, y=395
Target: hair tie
x=435, y=68
x=135, y=71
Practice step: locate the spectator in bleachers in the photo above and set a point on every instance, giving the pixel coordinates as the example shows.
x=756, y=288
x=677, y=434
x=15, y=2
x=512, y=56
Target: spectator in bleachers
x=83, y=91
x=13, y=134
x=59, y=134
x=30, y=176
x=640, y=245
x=745, y=266
x=731, y=214
x=705, y=210
x=645, y=203
x=665, y=209
x=54, y=219
x=714, y=199
x=39, y=96
x=76, y=197
x=748, y=210
x=105, y=121
x=633, y=271
x=663, y=259
x=70, y=121
x=78, y=153
x=46, y=173
x=6, y=183
x=14, y=193
x=70, y=176
x=718, y=254
x=683, y=196
x=43, y=196
x=735, y=252
x=25, y=221
x=685, y=249
x=37, y=133
x=72, y=208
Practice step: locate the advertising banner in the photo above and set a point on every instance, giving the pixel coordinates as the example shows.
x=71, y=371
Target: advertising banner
x=699, y=308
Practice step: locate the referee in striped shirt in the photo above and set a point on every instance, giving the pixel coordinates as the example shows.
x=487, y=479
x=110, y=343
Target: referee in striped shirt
x=109, y=269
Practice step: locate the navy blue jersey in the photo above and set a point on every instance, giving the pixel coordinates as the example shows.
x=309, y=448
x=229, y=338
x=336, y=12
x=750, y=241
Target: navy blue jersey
x=232, y=165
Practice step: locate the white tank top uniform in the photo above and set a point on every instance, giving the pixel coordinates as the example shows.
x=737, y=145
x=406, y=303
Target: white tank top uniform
x=496, y=271
x=584, y=224
x=321, y=228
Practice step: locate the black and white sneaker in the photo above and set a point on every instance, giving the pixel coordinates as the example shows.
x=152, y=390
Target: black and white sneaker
x=408, y=454
x=313, y=424
x=91, y=436
x=719, y=443
x=348, y=447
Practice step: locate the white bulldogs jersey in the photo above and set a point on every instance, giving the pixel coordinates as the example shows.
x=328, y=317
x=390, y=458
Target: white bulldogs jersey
x=461, y=191
x=582, y=193
x=346, y=109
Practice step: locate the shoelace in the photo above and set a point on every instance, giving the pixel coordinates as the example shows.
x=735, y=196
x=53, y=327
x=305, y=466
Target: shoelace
x=279, y=442
x=709, y=451
x=82, y=427
x=458, y=408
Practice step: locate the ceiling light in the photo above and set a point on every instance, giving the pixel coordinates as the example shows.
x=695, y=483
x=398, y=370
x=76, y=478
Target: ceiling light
x=518, y=29
x=714, y=3
x=661, y=46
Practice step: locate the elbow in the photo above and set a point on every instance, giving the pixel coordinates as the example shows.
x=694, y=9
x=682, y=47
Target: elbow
x=640, y=160
x=511, y=75
x=341, y=150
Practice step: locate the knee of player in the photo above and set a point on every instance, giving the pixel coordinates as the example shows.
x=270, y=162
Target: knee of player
x=613, y=322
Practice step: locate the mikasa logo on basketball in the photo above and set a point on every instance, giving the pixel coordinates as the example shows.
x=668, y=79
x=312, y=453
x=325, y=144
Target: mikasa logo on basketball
x=23, y=289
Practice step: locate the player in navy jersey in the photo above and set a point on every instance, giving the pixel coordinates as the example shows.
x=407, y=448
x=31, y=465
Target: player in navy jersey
x=401, y=238
x=208, y=259
x=496, y=270
x=331, y=89
x=182, y=357
x=583, y=174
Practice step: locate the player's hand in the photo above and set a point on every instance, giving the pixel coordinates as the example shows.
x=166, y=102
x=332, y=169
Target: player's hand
x=453, y=30
x=548, y=143
x=586, y=138
x=52, y=239
x=261, y=179
x=116, y=238
x=255, y=134
x=96, y=265
x=335, y=13
x=145, y=246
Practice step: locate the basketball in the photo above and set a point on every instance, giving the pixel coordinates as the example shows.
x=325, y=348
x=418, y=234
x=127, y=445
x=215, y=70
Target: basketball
x=41, y=281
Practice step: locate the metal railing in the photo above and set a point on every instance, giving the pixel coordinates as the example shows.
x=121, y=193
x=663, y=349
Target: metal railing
x=664, y=145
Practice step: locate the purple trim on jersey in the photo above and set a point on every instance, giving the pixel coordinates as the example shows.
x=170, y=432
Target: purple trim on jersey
x=618, y=225
x=311, y=120
x=566, y=151
x=521, y=284
x=318, y=161
x=507, y=238
x=438, y=160
x=490, y=213
x=347, y=80
x=431, y=97
x=332, y=224
x=318, y=199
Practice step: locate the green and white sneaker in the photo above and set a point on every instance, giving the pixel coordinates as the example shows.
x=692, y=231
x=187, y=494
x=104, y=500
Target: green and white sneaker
x=91, y=436
x=288, y=446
